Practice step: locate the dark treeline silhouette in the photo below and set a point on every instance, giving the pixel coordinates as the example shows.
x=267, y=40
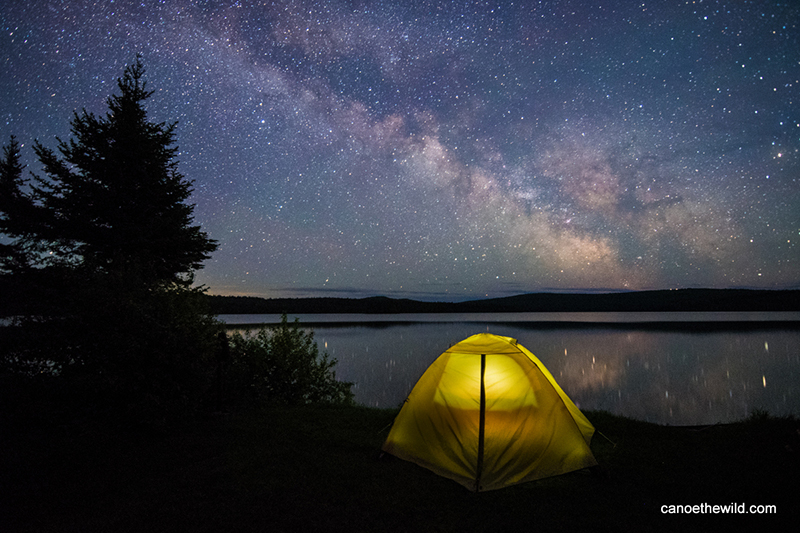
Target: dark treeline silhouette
x=685, y=300
x=97, y=266
x=97, y=263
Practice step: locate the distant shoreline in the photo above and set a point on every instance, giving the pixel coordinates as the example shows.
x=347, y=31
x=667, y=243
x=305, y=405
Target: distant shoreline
x=665, y=326
x=682, y=300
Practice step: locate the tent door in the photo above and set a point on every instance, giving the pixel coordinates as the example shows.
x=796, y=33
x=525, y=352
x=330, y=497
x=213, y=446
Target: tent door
x=481, y=426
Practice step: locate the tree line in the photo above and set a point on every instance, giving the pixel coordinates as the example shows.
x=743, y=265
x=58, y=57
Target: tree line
x=97, y=263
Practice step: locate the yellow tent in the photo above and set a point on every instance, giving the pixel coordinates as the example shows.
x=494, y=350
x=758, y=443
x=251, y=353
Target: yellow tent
x=488, y=414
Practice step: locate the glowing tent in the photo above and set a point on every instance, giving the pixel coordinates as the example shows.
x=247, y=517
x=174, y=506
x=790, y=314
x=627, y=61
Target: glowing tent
x=488, y=414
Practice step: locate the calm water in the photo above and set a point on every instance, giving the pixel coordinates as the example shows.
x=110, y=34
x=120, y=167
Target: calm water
x=669, y=368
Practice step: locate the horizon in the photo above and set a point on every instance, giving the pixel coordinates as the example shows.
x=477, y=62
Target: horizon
x=352, y=293
x=597, y=292
x=449, y=154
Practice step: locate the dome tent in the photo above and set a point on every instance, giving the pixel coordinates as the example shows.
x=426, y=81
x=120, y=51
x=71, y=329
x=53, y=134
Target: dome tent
x=488, y=414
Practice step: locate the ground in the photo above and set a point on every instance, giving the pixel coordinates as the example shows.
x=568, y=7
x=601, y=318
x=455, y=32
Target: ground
x=318, y=469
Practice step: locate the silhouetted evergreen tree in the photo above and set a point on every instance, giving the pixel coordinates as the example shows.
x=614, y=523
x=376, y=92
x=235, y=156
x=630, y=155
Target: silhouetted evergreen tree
x=103, y=246
x=17, y=213
x=115, y=201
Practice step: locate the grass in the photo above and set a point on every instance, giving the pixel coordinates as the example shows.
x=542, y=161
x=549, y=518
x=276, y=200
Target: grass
x=318, y=469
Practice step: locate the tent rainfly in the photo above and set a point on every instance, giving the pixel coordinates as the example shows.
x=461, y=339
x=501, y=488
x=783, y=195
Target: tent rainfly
x=488, y=414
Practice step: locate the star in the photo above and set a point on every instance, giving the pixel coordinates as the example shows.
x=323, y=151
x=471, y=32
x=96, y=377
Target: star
x=453, y=152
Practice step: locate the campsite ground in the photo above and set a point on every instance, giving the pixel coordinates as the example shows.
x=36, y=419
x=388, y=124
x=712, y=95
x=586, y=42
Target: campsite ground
x=318, y=469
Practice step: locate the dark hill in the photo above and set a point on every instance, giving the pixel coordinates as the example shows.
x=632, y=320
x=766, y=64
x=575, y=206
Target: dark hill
x=667, y=300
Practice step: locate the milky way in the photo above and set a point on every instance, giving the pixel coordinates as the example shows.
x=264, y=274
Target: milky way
x=450, y=150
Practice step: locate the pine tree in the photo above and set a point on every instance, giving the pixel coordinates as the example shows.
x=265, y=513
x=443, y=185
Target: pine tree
x=102, y=252
x=115, y=201
x=18, y=214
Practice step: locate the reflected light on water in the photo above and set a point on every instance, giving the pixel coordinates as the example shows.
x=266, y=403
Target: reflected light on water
x=668, y=377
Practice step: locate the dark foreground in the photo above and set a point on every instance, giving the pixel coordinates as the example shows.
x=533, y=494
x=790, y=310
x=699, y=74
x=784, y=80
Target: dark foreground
x=317, y=469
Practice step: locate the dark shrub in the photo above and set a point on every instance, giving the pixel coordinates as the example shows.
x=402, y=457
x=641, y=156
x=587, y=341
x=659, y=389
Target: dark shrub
x=282, y=364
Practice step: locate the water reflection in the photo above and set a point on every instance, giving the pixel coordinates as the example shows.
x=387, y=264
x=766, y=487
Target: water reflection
x=664, y=376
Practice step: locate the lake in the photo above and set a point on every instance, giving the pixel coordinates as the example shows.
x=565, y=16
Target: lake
x=668, y=368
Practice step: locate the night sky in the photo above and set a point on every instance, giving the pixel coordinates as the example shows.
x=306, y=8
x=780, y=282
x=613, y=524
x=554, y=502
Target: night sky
x=449, y=150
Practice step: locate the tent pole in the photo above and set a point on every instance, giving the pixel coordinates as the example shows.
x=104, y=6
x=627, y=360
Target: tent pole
x=481, y=426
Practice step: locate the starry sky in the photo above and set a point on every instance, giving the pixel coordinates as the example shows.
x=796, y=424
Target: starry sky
x=449, y=150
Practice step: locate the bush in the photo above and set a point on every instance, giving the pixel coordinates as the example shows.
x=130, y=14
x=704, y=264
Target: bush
x=282, y=364
x=137, y=355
